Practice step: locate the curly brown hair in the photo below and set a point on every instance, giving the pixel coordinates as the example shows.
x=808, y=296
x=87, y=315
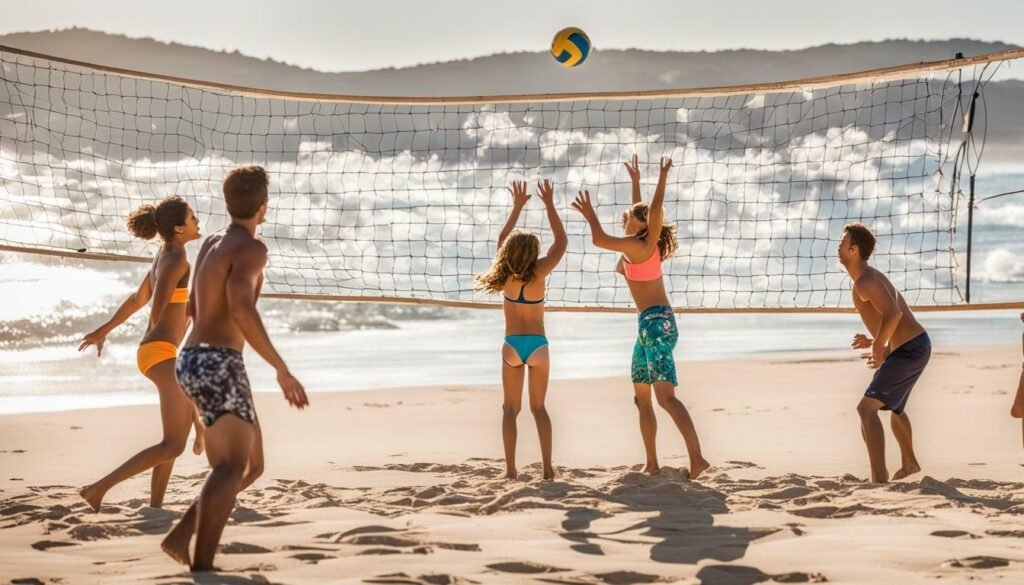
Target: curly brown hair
x=245, y=189
x=667, y=241
x=149, y=220
x=861, y=236
x=516, y=260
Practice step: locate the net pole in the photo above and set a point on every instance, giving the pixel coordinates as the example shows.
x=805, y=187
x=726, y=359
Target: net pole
x=970, y=238
x=970, y=202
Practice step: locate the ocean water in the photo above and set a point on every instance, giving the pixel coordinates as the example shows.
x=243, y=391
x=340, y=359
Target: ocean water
x=47, y=304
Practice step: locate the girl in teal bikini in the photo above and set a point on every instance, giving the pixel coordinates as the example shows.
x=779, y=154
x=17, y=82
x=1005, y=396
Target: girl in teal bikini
x=519, y=273
x=646, y=244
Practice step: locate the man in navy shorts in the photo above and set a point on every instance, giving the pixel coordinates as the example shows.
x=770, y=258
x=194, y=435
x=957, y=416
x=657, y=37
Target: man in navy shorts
x=900, y=350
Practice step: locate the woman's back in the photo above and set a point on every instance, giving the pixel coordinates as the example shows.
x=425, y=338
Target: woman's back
x=524, y=307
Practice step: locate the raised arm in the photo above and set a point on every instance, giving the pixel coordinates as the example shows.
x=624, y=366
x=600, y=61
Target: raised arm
x=634, y=176
x=129, y=307
x=519, y=199
x=656, y=213
x=556, y=250
x=241, y=289
x=874, y=291
x=631, y=247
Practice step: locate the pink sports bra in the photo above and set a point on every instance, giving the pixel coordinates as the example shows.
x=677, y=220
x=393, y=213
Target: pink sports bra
x=644, y=271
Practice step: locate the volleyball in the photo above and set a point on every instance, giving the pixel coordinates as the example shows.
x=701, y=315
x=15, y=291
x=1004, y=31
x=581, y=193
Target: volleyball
x=570, y=47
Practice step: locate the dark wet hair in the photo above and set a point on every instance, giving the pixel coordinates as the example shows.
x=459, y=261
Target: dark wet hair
x=149, y=220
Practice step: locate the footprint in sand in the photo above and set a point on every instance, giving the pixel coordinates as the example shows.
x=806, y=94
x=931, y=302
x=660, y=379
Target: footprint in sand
x=954, y=534
x=402, y=578
x=1006, y=533
x=312, y=557
x=631, y=577
x=26, y=581
x=48, y=544
x=978, y=562
x=524, y=568
x=241, y=548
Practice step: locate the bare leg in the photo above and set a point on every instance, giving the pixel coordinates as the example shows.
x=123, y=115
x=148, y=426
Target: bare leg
x=901, y=429
x=176, y=414
x=229, y=443
x=158, y=483
x=176, y=543
x=666, y=395
x=197, y=423
x=540, y=366
x=648, y=425
x=254, y=467
x=874, y=437
x=512, y=375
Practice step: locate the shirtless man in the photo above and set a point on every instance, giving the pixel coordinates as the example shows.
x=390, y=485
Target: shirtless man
x=900, y=350
x=228, y=278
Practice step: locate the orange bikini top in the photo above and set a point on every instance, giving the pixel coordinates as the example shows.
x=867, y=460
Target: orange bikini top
x=180, y=295
x=650, y=269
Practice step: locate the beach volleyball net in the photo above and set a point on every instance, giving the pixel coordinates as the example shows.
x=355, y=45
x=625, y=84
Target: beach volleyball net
x=402, y=198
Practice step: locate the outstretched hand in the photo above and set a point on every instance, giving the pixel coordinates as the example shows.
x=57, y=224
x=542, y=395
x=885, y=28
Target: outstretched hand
x=861, y=341
x=294, y=393
x=633, y=169
x=666, y=164
x=583, y=205
x=546, y=193
x=95, y=338
x=519, y=195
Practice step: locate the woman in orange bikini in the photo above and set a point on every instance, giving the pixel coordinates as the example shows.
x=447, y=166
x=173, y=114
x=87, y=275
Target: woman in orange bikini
x=646, y=244
x=166, y=284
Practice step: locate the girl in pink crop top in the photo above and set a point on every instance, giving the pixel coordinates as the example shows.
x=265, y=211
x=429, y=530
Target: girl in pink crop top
x=647, y=270
x=653, y=369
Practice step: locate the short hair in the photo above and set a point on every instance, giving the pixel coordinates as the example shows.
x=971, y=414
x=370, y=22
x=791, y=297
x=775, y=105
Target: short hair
x=245, y=189
x=861, y=235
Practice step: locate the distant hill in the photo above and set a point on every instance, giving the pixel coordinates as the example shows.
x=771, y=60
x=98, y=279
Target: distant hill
x=606, y=70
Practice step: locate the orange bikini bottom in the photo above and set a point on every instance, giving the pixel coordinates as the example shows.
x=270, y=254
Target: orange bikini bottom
x=153, y=353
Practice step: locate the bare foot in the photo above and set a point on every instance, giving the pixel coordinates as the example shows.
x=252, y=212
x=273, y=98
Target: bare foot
x=511, y=474
x=92, y=496
x=652, y=469
x=906, y=471
x=549, y=474
x=176, y=544
x=698, y=467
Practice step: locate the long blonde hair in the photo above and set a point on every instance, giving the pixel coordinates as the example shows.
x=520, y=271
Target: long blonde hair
x=516, y=260
x=667, y=242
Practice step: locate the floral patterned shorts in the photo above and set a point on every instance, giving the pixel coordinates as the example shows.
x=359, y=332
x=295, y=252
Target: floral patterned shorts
x=652, y=354
x=215, y=379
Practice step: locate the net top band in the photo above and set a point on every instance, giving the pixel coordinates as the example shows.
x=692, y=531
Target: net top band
x=809, y=83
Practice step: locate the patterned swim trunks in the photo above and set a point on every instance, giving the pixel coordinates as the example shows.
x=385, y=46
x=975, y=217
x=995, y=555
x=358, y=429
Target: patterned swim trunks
x=652, y=354
x=215, y=379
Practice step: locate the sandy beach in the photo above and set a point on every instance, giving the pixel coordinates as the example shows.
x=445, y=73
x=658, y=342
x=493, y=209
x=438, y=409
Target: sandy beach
x=405, y=486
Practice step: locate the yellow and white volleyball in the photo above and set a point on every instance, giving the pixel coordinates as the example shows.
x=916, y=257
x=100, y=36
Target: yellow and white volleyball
x=570, y=47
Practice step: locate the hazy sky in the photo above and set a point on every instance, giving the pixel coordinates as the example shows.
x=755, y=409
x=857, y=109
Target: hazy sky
x=346, y=35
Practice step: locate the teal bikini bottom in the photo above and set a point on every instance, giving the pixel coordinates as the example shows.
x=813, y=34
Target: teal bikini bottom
x=525, y=345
